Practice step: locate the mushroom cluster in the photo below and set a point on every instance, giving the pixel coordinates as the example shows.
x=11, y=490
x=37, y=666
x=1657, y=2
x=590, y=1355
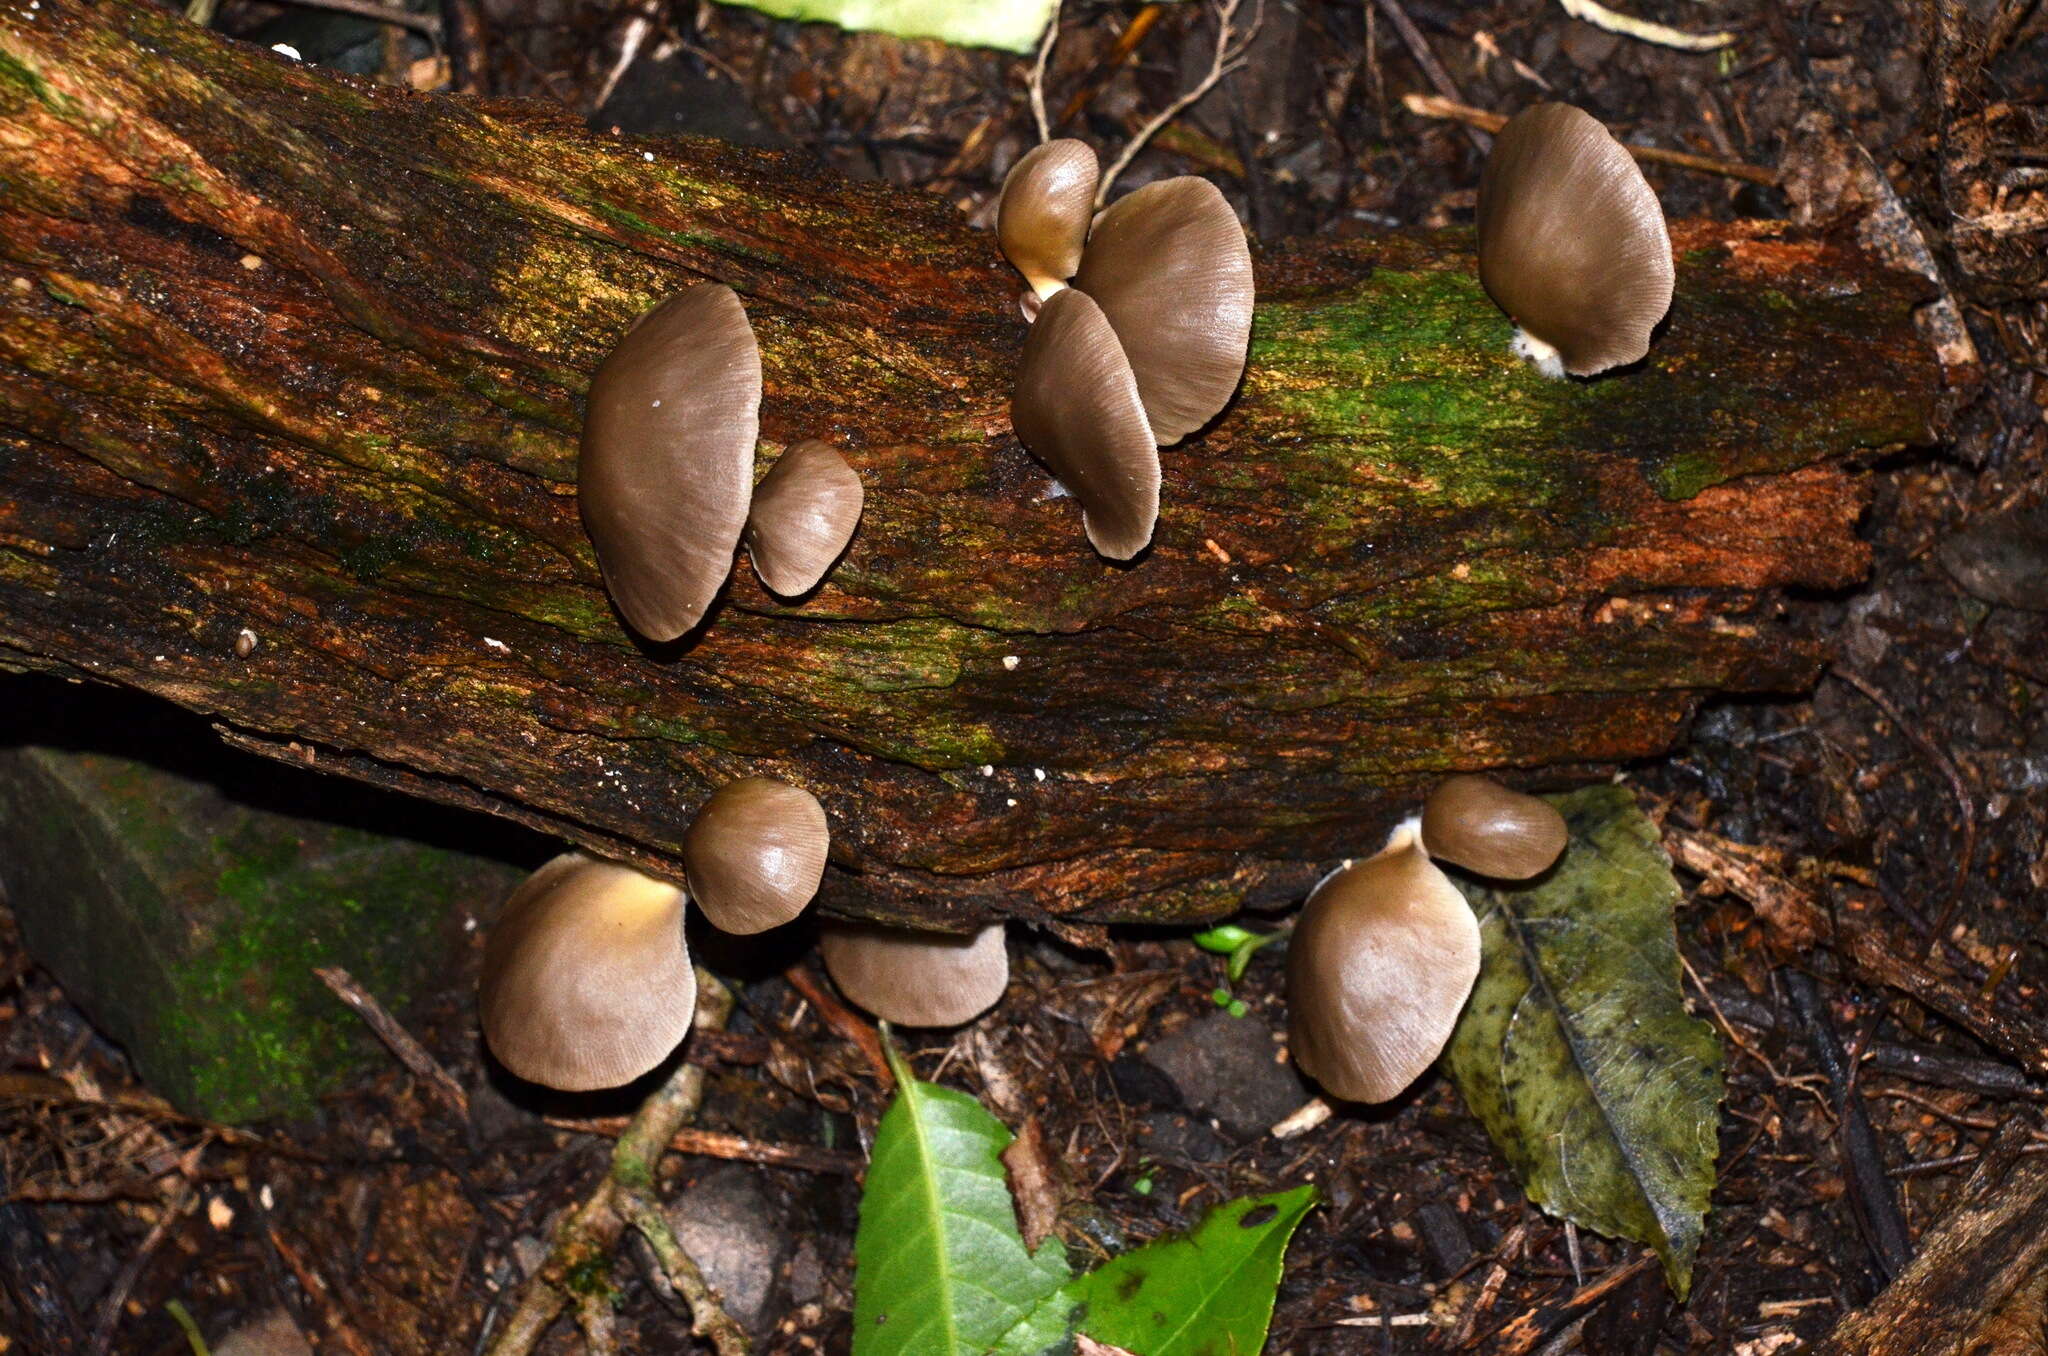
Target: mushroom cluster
x=1141, y=316
x=1386, y=950
x=1140, y=321
x=665, y=474
x=586, y=978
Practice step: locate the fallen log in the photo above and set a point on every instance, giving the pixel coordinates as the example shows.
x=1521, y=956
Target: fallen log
x=288, y=433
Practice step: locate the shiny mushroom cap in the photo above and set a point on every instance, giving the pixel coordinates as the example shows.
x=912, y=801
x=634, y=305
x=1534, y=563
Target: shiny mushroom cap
x=586, y=979
x=804, y=513
x=1169, y=267
x=1482, y=826
x=917, y=978
x=1572, y=242
x=1042, y=220
x=667, y=464
x=1076, y=407
x=755, y=854
x=1381, y=961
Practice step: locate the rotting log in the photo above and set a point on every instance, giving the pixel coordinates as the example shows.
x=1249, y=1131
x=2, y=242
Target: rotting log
x=1979, y=1283
x=298, y=356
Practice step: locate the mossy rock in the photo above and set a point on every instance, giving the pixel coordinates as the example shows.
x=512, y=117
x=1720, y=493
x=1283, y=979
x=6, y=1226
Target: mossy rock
x=187, y=923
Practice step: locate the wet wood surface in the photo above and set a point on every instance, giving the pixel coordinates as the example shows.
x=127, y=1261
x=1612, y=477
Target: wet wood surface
x=292, y=379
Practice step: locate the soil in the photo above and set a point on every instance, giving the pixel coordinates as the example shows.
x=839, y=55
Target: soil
x=1910, y=786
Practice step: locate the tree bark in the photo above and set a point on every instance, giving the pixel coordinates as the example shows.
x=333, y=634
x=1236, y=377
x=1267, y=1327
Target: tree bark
x=299, y=357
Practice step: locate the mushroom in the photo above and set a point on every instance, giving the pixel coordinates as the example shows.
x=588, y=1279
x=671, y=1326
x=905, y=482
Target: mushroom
x=1169, y=267
x=755, y=854
x=913, y=977
x=1076, y=407
x=1381, y=961
x=1478, y=824
x=667, y=461
x=1042, y=219
x=804, y=513
x=586, y=979
x=1572, y=242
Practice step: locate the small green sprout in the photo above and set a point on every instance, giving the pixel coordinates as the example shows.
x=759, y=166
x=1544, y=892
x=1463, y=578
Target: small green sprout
x=1239, y=944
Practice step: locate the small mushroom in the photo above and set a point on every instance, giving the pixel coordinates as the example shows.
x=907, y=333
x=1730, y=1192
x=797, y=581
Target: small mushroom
x=667, y=462
x=1076, y=407
x=1169, y=266
x=586, y=979
x=1381, y=961
x=1042, y=220
x=1572, y=242
x=804, y=513
x=913, y=977
x=1482, y=826
x=755, y=854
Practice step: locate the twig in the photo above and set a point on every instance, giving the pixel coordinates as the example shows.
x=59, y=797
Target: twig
x=1052, y=35
x=638, y=26
x=626, y=1195
x=1884, y=1228
x=469, y=52
x=1430, y=106
x=717, y=1144
x=1143, y=22
x=1425, y=57
x=396, y=1038
x=1964, y=805
x=1227, y=57
x=840, y=1019
x=117, y=1294
x=1643, y=30
x=339, y=1328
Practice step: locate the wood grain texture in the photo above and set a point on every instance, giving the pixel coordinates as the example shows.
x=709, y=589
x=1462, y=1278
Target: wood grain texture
x=296, y=354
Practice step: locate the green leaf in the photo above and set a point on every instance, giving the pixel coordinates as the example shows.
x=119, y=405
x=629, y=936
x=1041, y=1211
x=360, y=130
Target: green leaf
x=940, y=1267
x=1205, y=1293
x=1013, y=25
x=1576, y=1050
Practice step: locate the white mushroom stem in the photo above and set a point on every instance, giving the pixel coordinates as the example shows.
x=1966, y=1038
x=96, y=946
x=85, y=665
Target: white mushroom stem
x=1542, y=356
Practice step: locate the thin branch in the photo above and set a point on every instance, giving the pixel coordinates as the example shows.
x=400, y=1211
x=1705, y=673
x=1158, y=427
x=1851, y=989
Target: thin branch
x=626, y=1195
x=1052, y=35
x=1643, y=30
x=1227, y=57
x=396, y=1038
x=1425, y=57
x=1430, y=106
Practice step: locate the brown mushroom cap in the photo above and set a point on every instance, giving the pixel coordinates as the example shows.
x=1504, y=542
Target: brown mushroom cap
x=1571, y=239
x=1484, y=827
x=1042, y=219
x=1381, y=961
x=667, y=465
x=1076, y=407
x=1171, y=270
x=917, y=978
x=804, y=513
x=755, y=854
x=586, y=979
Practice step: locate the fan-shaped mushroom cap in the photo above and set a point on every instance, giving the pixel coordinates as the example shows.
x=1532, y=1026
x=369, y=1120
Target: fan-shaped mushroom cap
x=1484, y=827
x=755, y=854
x=586, y=979
x=1169, y=266
x=667, y=464
x=804, y=513
x=1382, y=959
x=1042, y=220
x=1571, y=240
x=1076, y=407
x=917, y=978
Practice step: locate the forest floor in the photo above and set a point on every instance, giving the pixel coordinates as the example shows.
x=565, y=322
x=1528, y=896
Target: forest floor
x=1912, y=782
